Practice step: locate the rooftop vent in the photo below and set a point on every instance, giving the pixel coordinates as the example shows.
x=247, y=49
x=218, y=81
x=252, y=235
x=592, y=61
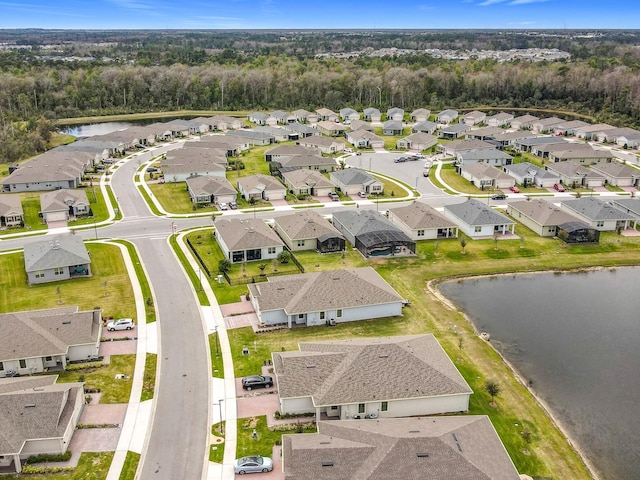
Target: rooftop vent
x=67, y=322
x=383, y=355
x=311, y=366
x=414, y=431
x=327, y=464
x=422, y=454
x=29, y=405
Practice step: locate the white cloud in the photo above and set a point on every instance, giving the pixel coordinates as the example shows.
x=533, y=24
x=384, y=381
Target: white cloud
x=524, y=2
x=486, y=3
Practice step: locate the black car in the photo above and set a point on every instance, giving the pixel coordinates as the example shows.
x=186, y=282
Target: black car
x=499, y=196
x=256, y=381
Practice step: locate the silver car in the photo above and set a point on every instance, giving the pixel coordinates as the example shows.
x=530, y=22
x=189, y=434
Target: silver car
x=122, y=324
x=253, y=464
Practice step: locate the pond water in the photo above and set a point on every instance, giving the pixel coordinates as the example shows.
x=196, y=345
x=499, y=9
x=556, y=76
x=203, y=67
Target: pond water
x=576, y=338
x=89, y=130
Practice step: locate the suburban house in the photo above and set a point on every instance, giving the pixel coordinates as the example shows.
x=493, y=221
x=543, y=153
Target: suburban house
x=484, y=133
x=224, y=123
x=39, y=417
x=332, y=129
x=460, y=447
x=392, y=127
x=422, y=222
x=628, y=205
x=539, y=215
x=574, y=175
x=194, y=127
x=531, y=143
x=446, y=116
x=473, y=118
x=326, y=115
x=569, y=128
x=451, y=149
x=352, y=181
x=490, y=156
x=190, y=162
x=578, y=153
x=395, y=113
x=618, y=174
x=364, y=139
x=64, y=205
x=307, y=162
x=485, y=176
x=308, y=230
x=373, y=234
x=254, y=138
x=545, y=125
x=523, y=122
x=588, y=132
x=279, y=134
x=60, y=257
x=208, y=190
x=247, y=239
x=612, y=135
x=365, y=378
x=308, y=182
x=501, y=119
x=11, y=213
x=44, y=340
x=424, y=127
x=329, y=296
x=508, y=138
x=372, y=115
x=101, y=150
x=349, y=115
x=361, y=125
x=260, y=118
x=298, y=130
x=302, y=115
x=261, y=187
x=526, y=174
x=417, y=141
x=322, y=144
x=283, y=118
x=275, y=154
x=629, y=139
x=50, y=171
x=453, y=132
x=477, y=220
x=233, y=146
x=420, y=115
x=598, y=214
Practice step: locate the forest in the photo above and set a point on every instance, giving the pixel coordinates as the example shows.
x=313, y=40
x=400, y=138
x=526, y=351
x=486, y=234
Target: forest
x=132, y=72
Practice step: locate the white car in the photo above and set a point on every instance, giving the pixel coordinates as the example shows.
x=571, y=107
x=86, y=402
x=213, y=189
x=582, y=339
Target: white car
x=122, y=324
x=223, y=206
x=253, y=464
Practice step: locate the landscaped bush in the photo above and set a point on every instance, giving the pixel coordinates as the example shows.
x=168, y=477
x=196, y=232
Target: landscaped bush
x=84, y=366
x=60, y=457
x=279, y=416
x=30, y=469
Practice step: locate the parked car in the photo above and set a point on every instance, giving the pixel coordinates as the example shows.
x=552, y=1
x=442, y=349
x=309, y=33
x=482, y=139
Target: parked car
x=11, y=373
x=348, y=150
x=233, y=205
x=414, y=158
x=514, y=189
x=253, y=464
x=400, y=159
x=363, y=194
x=499, y=196
x=223, y=206
x=334, y=196
x=425, y=173
x=559, y=187
x=122, y=324
x=256, y=381
x=427, y=165
x=152, y=169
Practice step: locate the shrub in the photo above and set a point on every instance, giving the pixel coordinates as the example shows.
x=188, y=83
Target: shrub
x=44, y=457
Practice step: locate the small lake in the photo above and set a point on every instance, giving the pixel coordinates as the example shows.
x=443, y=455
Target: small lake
x=92, y=129
x=576, y=337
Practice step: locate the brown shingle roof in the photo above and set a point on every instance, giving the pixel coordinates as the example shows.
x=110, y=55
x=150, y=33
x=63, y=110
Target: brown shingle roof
x=247, y=233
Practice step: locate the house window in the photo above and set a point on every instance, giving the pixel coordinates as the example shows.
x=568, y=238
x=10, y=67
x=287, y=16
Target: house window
x=58, y=271
x=1, y=366
x=322, y=315
x=376, y=188
x=39, y=274
x=334, y=407
x=301, y=243
x=421, y=233
x=478, y=228
x=384, y=406
x=48, y=359
x=301, y=315
x=361, y=408
x=271, y=250
x=23, y=363
x=600, y=224
x=339, y=313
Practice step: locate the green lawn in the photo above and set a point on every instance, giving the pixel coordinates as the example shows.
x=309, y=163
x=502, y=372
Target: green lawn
x=149, y=379
x=113, y=391
x=217, y=365
x=265, y=438
x=91, y=466
x=130, y=466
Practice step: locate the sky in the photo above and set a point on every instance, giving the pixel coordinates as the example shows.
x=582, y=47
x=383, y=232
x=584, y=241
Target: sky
x=319, y=14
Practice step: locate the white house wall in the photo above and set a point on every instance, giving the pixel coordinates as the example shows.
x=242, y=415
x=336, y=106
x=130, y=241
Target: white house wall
x=297, y=405
x=82, y=352
x=49, y=276
x=409, y=407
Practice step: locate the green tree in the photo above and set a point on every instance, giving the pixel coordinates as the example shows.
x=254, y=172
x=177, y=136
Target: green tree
x=492, y=388
x=224, y=265
x=284, y=256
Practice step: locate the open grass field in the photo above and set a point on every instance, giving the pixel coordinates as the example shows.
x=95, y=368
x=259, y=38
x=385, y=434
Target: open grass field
x=91, y=466
x=548, y=454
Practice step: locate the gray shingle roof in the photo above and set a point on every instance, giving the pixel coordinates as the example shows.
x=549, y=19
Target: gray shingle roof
x=474, y=212
x=320, y=291
x=306, y=161
x=306, y=224
x=203, y=185
x=57, y=251
x=542, y=212
x=352, y=176
x=60, y=200
x=246, y=233
x=452, y=448
x=616, y=170
x=39, y=333
x=420, y=215
x=290, y=150
x=260, y=182
x=368, y=369
x=10, y=205
x=629, y=205
x=303, y=177
x=596, y=209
